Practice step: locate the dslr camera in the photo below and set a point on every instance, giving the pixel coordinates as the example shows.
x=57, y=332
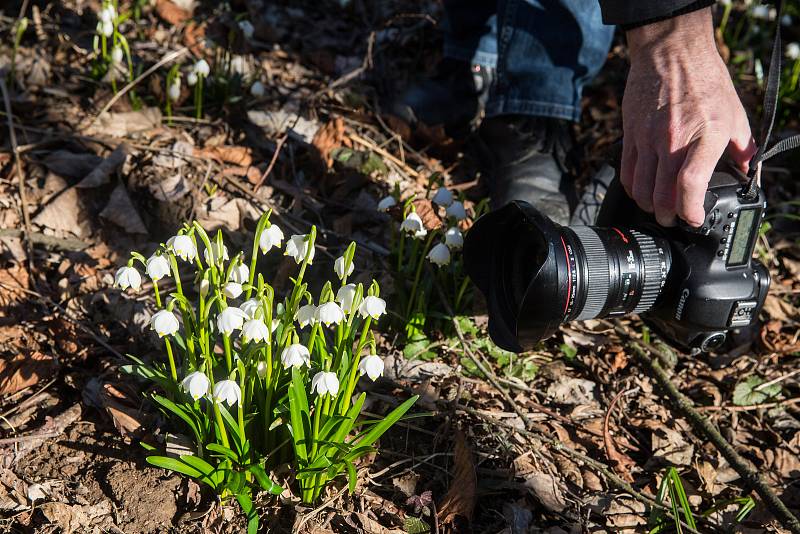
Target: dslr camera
x=693, y=286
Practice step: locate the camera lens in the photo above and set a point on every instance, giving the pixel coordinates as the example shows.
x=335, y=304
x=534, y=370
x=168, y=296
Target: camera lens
x=536, y=274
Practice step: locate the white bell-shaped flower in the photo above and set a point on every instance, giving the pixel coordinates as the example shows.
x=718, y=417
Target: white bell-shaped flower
x=295, y=355
x=232, y=290
x=157, y=267
x=270, y=237
x=442, y=197
x=227, y=391
x=191, y=78
x=251, y=308
x=254, y=330
x=196, y=385
x=456, y=210
x=116, y=55
x=107, y=14
x=202, y=68
x=329, y=313
x=247, y=28
x=106, y=28
x=345, y=297
x=338, y=267
x=372, y=366
x=372, y=306
x=174, y=90
x=261, y=369
x=306, y=314
x=793, y=51
x=387, y=203
x=297, y=248
x=439, y=254
x=128, y=277
x=413, y=225
x=240, y=273
x=183, y=246
x=257, y=89
x=230, y=319
x=216, y=254
x=325, y=383
x=164, y=323
x=453, y=238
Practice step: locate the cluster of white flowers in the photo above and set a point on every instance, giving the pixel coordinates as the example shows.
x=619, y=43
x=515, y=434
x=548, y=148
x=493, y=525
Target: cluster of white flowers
x=105, y=24
x=199, y=70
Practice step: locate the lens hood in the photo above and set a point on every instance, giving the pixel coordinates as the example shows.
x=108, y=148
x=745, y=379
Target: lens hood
x=514, y=256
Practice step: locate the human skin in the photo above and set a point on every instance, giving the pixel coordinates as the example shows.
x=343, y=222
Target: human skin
x=680, y=113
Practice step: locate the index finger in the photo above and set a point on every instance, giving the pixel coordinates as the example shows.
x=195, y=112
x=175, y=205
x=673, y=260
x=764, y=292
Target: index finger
x=692, y=180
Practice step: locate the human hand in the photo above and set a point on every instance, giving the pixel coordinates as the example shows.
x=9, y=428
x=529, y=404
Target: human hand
x=680, y=113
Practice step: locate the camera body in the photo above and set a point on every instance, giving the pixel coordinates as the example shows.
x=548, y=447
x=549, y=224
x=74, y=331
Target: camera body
x=694, y=286
x=714, y=285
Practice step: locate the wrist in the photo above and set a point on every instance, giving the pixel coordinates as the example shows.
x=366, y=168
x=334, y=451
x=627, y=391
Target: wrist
x=688, y=34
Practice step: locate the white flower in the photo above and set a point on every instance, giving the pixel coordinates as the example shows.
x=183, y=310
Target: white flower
x=205, y=285
x=456, y=210
x=338, y=267
x=201, y=68
x=240, y=273
x=174, y=90
x=196, y=385
x=128, y=277
x=413, y=225
x=191, y=78
x=116, y=54
x=232, y=290
x=329, y=313
x=305, y=315
x=325, y=382
x=272, y=236
x=372, y=366
x=251, y=308
x=345, y=296
x=793, y=51
x=183, y=246
x=230, y=319
x=296, y=355
x=261, y=369
x=443, y=197
x=760, y=12
x=215, y=254
x=297, y=248
x=157, y=267
x=373, y=307
x=254, y=330
x=257, y=89
x=247, y=28
x=387, y=203
x=106, y=28
x=107, y=14
x=439, y=254
x=227, y=391
x=164, y=323
x=453, y=238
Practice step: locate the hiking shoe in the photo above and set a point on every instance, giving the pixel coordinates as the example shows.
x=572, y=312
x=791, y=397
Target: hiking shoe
x=525, y=159
x=454, y=97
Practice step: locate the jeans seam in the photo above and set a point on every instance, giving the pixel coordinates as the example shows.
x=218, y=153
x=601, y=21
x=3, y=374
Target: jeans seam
x=507, y=106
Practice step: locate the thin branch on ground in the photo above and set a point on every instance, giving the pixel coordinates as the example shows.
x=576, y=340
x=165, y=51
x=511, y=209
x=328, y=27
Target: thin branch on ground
x=281, y=140
x=685, y=406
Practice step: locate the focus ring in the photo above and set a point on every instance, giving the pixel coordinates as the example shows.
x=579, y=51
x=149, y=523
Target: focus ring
x=654, y=271
x=597, y=277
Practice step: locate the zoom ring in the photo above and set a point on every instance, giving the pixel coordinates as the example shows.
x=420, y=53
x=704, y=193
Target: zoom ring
x=654, y=271
x=598, y=278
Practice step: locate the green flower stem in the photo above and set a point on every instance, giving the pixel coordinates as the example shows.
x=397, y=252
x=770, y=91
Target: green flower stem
x=187, y=320
x=795, y=77
x=240, y=408
x=400, y=251
x=172, y=369
x=312, y=339
x=460, y=295
x=222, y=432
x=226, y=343
x=351, y=380
x=420, y=262
x=318, y=409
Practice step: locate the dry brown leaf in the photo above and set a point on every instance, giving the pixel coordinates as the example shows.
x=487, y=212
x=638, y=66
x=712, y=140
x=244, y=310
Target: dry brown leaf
x=170, y=189
x=427, y=213
x=24, y=371
x=398, y=125
x=548, y=490
x=237, y=155
x=75, y=518
x=194, y=38
x=460, y=498
x=779, y=309
x=171, y=13
x=330, y=137
x=101, y=174
x=13, y=277
x=125, y=123
x=253, y=174
x=121, y=211
x=622, y=462
x=71, y=164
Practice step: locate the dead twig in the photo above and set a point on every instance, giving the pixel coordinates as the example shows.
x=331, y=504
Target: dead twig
x=622, y=462
x=749, y=407
x=37, y=238
x=281, y=140
x=652, y=356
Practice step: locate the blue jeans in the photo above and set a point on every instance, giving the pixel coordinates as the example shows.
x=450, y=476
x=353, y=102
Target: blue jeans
x=544, y=51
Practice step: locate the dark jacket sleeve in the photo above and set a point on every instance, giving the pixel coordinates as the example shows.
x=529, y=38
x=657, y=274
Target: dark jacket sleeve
x=632, y=13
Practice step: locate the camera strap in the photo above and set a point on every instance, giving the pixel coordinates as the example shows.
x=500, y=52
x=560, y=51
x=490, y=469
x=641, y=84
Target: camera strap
x=769, y=111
